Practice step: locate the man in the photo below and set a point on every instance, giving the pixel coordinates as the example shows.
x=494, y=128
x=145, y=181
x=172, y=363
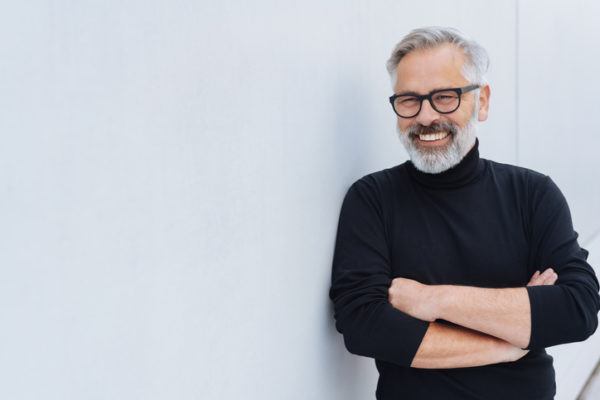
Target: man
x=452, y=271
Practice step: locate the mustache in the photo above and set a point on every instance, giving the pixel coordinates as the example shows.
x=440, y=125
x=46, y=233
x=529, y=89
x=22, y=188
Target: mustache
x=419, y=129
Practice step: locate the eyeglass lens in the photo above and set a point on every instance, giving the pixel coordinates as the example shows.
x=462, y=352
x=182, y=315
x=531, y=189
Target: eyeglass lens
x=444, y=102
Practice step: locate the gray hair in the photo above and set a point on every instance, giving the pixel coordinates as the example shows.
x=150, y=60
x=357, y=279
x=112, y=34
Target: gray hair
x=475, y=66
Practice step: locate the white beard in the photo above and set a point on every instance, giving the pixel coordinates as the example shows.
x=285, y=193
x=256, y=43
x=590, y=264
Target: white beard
x=434, y=161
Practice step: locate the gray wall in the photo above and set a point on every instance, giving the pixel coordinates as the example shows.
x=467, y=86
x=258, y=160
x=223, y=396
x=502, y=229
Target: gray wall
x=171, y=174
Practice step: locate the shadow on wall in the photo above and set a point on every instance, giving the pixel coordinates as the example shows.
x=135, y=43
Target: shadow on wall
x=353, y=148
x=352, y=135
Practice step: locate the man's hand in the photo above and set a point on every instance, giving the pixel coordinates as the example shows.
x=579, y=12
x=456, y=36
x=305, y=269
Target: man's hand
x=548, y=277
x=413, y=298
x=420, y=300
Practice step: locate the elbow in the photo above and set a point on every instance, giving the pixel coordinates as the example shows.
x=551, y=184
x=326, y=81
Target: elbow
x=589, y=325
x=354, y=342
x=377, y=330
x=564, y=313
x=588, y=321
x=344, y=326
x=352, y=345
x=357, y=330
x=360, y=345
x=375, y=342
x=585, y=328
x=592, y=326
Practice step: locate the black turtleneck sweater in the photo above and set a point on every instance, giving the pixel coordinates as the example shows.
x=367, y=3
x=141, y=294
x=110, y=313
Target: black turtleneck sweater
x=480, y=223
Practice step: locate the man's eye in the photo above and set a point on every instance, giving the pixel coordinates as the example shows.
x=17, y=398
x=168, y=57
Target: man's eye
x=407, y=101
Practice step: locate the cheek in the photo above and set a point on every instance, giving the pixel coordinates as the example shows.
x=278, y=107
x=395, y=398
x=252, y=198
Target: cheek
x=459, y=120
x=404, y=124
x=465, y=115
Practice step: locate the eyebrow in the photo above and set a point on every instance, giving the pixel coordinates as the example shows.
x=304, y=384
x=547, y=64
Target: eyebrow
x=413, y=93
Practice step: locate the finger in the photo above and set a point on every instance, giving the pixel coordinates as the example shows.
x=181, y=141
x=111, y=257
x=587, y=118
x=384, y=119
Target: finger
x=547, y=281
x=550, y=279
x=548, y=271
x=535, y=275
x=535, y=282
x=534, y=278
x=544, y=276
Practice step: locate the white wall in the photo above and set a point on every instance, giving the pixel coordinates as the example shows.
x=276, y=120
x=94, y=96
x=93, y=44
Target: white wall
x=171, y=174
x=558, y=59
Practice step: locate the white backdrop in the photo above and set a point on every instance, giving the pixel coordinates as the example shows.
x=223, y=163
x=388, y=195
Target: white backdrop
x=171, y=174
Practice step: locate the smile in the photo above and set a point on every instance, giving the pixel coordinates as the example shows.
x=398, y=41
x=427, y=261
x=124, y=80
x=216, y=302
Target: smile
x=432, y=137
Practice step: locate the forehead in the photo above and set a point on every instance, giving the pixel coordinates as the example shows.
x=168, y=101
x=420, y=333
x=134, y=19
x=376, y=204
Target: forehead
x=428, y=69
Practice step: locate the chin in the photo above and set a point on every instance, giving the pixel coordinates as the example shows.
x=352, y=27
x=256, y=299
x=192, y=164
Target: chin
x=434, y=160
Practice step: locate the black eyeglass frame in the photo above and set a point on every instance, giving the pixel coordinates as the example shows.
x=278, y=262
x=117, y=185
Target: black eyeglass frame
x=459, y=91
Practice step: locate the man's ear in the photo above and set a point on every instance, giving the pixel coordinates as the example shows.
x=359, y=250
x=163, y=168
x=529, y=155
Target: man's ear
x=484, y=102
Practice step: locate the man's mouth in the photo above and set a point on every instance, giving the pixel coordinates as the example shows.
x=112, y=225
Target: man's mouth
x=432, y=137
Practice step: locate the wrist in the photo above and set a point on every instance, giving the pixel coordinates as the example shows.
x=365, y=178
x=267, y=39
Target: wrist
x=437, y=297
x=510, y=352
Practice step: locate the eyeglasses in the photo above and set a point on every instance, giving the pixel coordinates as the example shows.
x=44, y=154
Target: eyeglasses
x=444, y=101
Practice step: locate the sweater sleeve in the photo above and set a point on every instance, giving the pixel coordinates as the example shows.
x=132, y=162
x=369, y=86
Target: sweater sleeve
x=566, y=311
x=361, y=276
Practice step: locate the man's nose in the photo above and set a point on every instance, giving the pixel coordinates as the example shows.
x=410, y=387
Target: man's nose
x=427, y=115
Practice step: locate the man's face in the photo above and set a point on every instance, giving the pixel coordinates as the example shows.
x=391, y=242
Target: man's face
x=422, y=71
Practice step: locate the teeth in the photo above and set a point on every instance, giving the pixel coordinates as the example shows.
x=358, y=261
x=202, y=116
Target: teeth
x=433, y=136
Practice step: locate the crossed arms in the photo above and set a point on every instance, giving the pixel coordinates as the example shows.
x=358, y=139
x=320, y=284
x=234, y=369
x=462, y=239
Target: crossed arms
x=492, y=325
x=395, y=320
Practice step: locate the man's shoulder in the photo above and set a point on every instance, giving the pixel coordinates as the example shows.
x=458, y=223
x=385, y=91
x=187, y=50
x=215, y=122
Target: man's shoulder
x=381, y=179
x=378, y=186
x=517, y=173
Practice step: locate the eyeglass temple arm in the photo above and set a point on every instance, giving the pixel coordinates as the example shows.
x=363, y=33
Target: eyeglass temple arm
x=468, y=88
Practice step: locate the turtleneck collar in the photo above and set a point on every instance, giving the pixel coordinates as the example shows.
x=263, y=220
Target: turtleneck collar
x=466, y=171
